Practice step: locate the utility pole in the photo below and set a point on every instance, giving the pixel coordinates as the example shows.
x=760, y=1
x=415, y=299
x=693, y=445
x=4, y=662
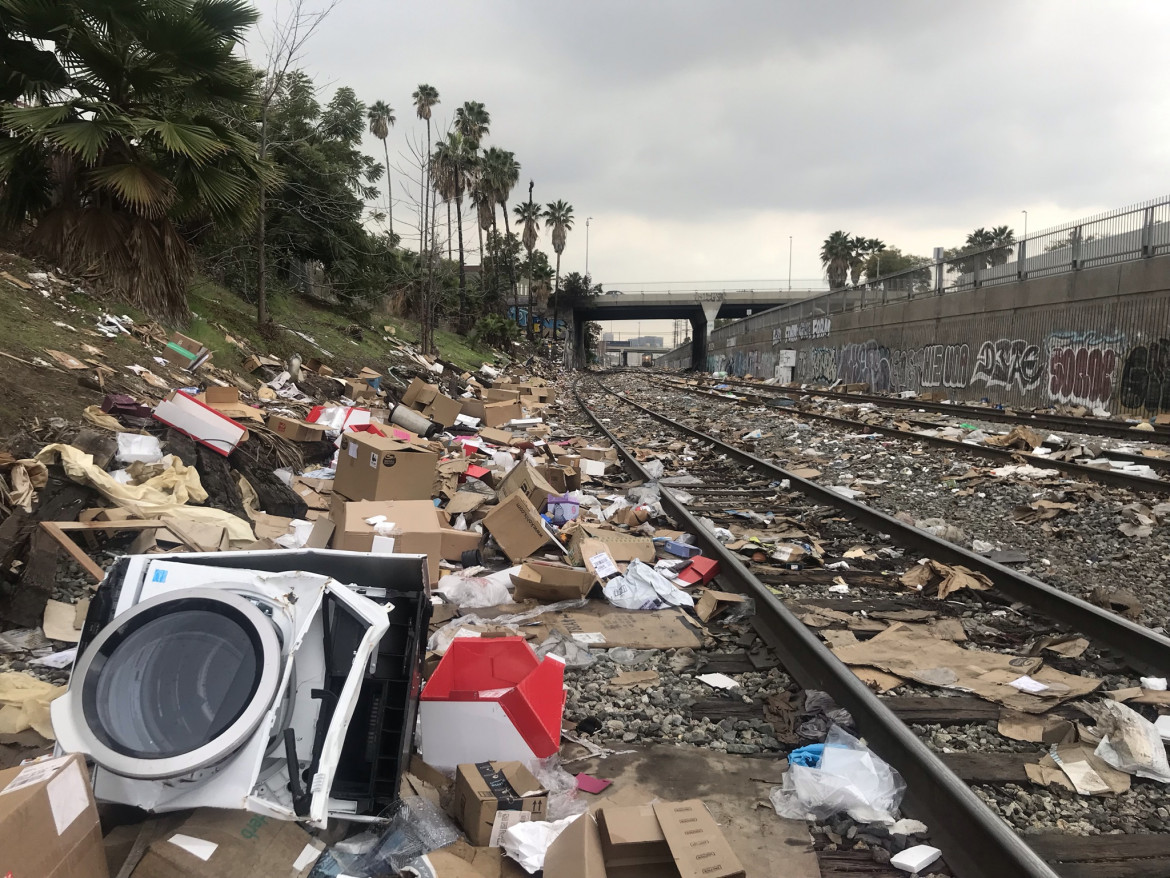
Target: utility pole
x=1025, y=213
x=790, y=263
x=588, y=220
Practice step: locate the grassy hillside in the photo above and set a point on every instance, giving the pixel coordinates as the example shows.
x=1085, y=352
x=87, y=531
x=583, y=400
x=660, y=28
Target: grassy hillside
x=61, y=318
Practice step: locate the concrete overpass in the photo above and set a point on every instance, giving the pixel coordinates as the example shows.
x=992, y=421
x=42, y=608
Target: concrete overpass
x=701, y=307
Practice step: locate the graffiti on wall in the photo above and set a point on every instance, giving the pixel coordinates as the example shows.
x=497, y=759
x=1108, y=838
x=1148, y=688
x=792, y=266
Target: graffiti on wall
x=1145, y=378
x=933, y=365
x=866, y=363
x=816, y=365
x=1010, y=363
x=819, y=327
x=1081, y=366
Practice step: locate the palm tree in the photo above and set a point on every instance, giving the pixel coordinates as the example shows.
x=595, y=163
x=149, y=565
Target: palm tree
x=558, y=215
x=131, y=138
x=862, y=249
x=381, y=116
x=452, y=161
x=529, y=214
x=441, y=170
x=473, y=122
x=836, y=253
x=425, y=97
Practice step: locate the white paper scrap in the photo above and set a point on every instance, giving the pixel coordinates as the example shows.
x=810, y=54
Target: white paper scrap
x=603, y=565
x=197, y=847
x=504, y=821
x=68, y=796
x=1027, y=684
x=719, y=681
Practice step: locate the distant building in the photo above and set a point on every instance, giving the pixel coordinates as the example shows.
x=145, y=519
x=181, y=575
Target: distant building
x=646, y=341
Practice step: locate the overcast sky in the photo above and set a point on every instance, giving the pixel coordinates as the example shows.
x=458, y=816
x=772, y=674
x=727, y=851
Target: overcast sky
x=699, y=136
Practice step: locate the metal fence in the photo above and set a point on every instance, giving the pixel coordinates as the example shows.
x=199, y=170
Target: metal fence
x=1122, y=235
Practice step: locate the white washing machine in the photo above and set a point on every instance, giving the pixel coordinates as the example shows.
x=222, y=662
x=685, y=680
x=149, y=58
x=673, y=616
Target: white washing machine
x=208, y=687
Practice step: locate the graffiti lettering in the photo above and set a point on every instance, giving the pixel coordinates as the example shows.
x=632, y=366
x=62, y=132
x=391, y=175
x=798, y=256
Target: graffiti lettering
x=1081, y=367
x=819, y=327
x=816, y=365
x=1010, y=363
x=867, y=363
x=1145, y=379
x=945, y=365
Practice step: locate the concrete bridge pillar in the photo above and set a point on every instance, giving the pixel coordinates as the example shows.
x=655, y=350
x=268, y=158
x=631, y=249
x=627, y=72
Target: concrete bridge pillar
x=701, y=326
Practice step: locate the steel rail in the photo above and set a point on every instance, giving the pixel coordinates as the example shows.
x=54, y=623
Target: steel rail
x=1145, y=649
x=1086, y=426
x=975, y=841
x=1105, y=475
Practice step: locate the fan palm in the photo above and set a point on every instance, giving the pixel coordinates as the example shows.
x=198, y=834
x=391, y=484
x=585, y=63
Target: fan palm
x=381, y=116
x=473, y=122
x=425, y=97
x=452, y=164
x=558, y=216
x=133, y=141
x=528, y=213
x=836, y=253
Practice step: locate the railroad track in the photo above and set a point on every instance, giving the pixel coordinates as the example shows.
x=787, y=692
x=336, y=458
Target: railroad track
x=1104, y=475
x=1085, y=426
x=976, y=841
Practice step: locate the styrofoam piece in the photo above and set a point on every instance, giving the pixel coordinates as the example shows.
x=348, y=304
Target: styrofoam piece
x=915, y=859
x=1162, y=724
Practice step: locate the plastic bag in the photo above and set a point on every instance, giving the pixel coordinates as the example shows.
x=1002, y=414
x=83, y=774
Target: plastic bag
x=442, y=637
x=565, y=648
x=851, y=778
x=644, y=588
x=417, y=827
x=1129, y=742
x=133, y=447
x=654, y=469
x=527, y=843
x=563, y=800
x=477, y=591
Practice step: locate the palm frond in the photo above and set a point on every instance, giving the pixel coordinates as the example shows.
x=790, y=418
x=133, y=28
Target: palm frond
x=196, y=142
x=136, y=184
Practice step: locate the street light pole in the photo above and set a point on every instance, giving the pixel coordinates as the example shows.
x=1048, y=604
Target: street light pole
x=588, y=220
x=790, y=263
x=1025, y=213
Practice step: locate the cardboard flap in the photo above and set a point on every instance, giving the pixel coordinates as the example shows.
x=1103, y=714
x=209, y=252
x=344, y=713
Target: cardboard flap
x=534, y=714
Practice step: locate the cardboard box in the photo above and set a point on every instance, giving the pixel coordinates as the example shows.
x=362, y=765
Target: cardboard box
x=587, y=540
x=497, y=687
x=492, y=414
x=255, y=362
x=315, y=365
x=226, y=401
x=371, y=467
x=214, y=843
x=201, y=422
x=49, y=823
x=664, y=840
x=552, y=582
x=422, y=532
x=431, y=403
x=356, y=388
x=516, y=526
x=185, y=352
x=501, y=394
x=297, y=430
x=529, y=481
x=491, y=796
x=496, y=436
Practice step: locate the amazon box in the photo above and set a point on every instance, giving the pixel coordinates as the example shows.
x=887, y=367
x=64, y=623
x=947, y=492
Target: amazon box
x=663, y=840
x=371, y=467
x=491, y=796
x=49, y=823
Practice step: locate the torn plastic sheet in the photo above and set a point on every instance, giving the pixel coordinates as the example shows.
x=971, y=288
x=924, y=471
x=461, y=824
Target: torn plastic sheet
x=1129, y=742
x=850, y=778
x=441, y=639
x=644, y=588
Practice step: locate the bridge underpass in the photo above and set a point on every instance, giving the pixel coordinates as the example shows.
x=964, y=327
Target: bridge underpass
x=701, y=308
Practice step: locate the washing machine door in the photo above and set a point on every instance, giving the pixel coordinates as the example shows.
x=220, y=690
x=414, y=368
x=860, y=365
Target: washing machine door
x=173, y=685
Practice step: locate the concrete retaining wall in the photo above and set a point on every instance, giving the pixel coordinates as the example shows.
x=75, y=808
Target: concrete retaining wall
x=1098, y=337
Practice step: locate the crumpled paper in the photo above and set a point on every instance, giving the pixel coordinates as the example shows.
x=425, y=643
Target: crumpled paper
x=26, y=476
x=168, y=492
x=24, y=704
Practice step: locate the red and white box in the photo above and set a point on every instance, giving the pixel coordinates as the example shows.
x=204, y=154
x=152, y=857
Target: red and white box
x=492, y=699
x=201, y=422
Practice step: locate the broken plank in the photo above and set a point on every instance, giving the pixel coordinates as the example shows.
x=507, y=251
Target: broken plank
x=954, y=710
x=990, y=768
x=716, y=709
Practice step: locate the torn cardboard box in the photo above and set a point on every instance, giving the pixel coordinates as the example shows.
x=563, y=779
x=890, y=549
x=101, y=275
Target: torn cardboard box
x=552, y=582
x=666, y=840
x=297, y=430
x=515, y=524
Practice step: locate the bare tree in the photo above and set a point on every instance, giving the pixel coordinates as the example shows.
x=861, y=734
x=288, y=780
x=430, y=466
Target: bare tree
x=283, y=46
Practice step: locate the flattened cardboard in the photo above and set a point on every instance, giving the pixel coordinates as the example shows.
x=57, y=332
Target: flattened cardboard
x=601, y=625
x=552, y=582
x=214, y=843
x=515, y=524
x=48, y=821
x=477, y=799
x=371, y=467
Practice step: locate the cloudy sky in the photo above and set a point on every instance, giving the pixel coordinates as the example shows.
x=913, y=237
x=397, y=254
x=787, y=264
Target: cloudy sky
x=700, y=135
